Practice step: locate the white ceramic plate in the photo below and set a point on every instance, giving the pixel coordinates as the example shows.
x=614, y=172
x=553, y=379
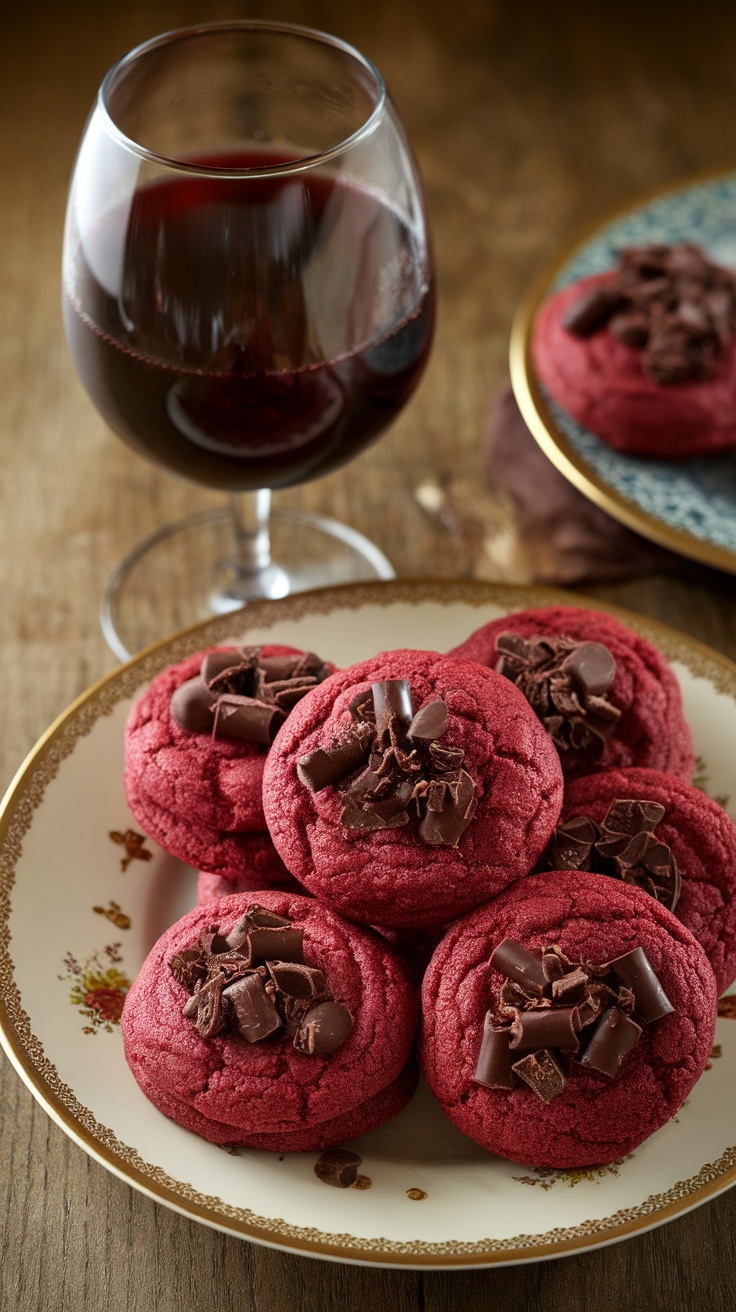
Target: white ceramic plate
x=75, y=927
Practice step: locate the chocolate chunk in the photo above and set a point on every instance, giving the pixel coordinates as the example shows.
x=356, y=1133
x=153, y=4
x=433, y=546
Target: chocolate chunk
x=322, y=767
x=192, y=706
x=570, y=988
x=552, y=1027
x=515, y=961
x=215, y=662
x=493, y=1068
x=276, y=945
x=392, y=705
x=591, y=667
x=323, y=1029
x=338, y=1167
x=253, y=1011
x=543, y=1073
x=246, y=719
x=615, y=1034
x=633, y=816
x=571, y=844
x=446, y=827
x=430, y=722
x=635, y=971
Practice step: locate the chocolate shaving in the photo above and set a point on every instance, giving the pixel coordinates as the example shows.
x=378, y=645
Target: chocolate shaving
x=558, y=1011
x=565, y=683
x=409, y=773
x=670, y=302
x=254, y=982
x=624, y=846
x=242, y=695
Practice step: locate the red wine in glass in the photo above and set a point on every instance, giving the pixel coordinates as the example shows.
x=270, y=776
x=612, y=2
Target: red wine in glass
x=226, y=355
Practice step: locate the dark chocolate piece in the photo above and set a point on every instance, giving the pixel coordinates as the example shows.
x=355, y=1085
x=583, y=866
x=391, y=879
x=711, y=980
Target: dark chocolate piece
x=430, y=722
x=565, y=682
x=192, y=706
x=543, y=1073
x=246, y=719
x=392, y=706
x=216, y=661
x=329, y=765
x=338, y=1167
x=189, y=967
x=268, y=944
x=549, y=1027
x=253, y=1011
x=634, y=969
x=515, y=961
x=444, y=825
x=323, y=1029
x=614, y=1035
x=493, y=1067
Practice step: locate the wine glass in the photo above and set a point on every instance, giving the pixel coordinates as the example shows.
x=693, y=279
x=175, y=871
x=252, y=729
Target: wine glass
x=248, y=300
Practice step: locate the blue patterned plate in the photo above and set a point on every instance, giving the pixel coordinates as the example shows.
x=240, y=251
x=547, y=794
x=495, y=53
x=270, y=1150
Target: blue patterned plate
x=686, y=505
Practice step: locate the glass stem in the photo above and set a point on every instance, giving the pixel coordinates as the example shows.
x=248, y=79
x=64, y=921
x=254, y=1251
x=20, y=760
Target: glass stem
x=249, y=573
x=251, y=550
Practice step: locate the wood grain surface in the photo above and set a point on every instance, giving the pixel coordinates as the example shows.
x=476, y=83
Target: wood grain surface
x=528, y=120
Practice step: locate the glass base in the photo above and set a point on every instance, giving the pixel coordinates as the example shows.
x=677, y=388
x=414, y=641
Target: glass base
x=146, y=598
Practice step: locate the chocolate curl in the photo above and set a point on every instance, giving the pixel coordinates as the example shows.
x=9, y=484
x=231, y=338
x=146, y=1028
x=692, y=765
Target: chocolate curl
x=515, y=961
x=246, y=719
x=635, y=971
x=276, y=945
x=493, y=1068
x=543, y=1073
x=392, y=706
x=326, y=766
x=615, y=1034
x=216, y=662
x=551, y=1027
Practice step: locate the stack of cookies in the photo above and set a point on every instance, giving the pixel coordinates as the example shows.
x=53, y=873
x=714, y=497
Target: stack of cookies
x=508, y=829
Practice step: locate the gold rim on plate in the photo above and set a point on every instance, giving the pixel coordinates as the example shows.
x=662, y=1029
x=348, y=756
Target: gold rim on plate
x=541, y=422
x=25, y=1050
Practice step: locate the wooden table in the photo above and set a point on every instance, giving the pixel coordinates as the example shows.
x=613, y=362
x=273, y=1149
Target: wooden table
x=528, y=121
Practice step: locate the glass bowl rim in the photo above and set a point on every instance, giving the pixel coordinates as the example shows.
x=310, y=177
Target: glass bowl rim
x=242, y=25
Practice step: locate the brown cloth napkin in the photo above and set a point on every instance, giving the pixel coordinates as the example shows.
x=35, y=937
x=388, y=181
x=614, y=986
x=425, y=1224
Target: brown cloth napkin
x=569, y=539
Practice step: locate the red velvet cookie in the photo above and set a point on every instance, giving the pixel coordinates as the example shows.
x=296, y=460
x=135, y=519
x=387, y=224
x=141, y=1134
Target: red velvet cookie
x=504, y=1068
x=198, y=795
x=700, y=835
x=649, y=728
x=300, y=1019
x=656, y=391
x=411, y=787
